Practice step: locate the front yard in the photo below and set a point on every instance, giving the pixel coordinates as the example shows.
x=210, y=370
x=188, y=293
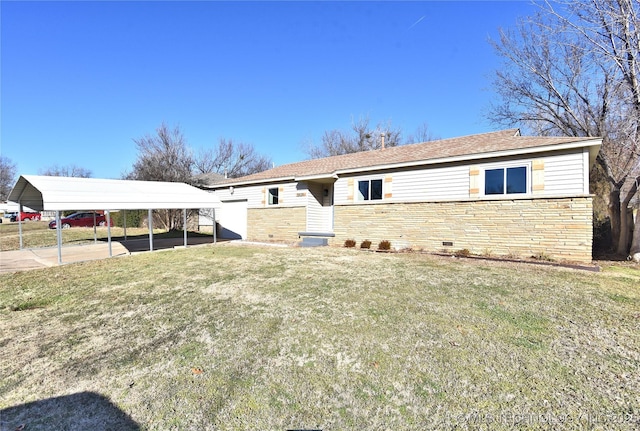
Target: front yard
x=237, y=338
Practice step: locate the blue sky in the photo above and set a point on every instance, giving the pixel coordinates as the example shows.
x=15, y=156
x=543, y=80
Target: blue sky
x=81, y=80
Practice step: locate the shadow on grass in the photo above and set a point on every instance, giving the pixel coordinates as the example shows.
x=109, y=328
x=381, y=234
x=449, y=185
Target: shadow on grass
x=81, y=411
x=162, y=241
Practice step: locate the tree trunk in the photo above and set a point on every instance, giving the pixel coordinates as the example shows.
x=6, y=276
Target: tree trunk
x=627, y=230
x=635, y=243
x=623, y=239
x=614, y=215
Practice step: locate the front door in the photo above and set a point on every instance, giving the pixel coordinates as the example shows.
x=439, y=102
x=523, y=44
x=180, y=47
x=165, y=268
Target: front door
x=327, y=207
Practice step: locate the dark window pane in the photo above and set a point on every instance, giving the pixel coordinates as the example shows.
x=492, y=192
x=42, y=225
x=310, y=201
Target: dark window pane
x=376, y=189
x=517, y=180
x=363, y=188
x=273, y=196
x=494, y=182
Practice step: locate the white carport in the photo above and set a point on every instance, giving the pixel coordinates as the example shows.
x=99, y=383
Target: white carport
x=45, y=193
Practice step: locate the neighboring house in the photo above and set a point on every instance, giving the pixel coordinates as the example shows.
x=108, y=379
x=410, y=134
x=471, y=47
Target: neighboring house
x=207, y=179
x=12, y=207
x=496, y=193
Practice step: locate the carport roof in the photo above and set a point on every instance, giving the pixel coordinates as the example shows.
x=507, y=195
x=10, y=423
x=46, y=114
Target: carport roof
x=45, y=193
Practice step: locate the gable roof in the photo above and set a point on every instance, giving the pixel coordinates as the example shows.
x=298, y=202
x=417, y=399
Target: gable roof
x=480, y=146
x=68, y=193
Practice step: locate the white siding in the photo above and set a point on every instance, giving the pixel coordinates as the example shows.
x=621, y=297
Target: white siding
x=341, y=191
x=253, y=194
x=290, y=195
x=435, y=184
x=315, y=213
x=428, y=184
x=564, y=174
x=319, y=208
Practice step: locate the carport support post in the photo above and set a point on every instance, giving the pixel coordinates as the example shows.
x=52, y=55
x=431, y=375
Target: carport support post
x=108, y=230
x=59, y=237
x=184, y=226
x=124, y=223
x=95, y=234
x=20, y=224
x=150, y=223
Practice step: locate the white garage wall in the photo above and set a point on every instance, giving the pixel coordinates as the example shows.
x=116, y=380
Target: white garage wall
x=233, y=220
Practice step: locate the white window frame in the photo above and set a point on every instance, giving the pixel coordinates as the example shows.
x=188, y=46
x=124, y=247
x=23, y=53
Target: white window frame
x=505, y=166
x=360, y=198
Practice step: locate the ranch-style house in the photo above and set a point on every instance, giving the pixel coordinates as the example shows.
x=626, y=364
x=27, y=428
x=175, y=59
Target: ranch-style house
x=495, y=193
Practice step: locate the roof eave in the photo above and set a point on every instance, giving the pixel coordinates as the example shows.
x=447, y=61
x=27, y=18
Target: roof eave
x=249, y=182
x=318, y=177
x=594, y=144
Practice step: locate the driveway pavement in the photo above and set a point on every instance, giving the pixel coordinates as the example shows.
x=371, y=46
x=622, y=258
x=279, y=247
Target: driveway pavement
x=27, y=259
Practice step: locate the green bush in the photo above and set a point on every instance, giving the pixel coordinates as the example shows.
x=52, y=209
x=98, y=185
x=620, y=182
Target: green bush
x=365, y=244
x=134, y=218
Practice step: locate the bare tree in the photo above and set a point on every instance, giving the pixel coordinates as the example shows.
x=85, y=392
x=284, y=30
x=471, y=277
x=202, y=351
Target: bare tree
x=422, y=134
x=164, y=156
x=573, y=70
x=66, y=171
x=233, y=159
x=7, y=177
x=361, y=137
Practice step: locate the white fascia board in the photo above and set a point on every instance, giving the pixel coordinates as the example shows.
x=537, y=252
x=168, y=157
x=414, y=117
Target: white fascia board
x=250, y=182
x=476, y=156
x=329, y=176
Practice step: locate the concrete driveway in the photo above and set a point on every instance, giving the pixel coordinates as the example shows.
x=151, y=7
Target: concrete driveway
x=27, y=259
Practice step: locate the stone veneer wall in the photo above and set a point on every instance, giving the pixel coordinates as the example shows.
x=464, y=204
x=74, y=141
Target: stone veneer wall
x=276, y=224
x=560, y=228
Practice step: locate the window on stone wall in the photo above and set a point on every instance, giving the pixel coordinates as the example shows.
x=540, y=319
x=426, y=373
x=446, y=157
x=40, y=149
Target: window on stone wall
x=273, y=196
x=505, y=181
x=369, y=190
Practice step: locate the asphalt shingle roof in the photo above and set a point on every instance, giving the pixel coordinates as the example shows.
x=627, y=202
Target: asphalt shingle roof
x=504, y=140
x=207, y=179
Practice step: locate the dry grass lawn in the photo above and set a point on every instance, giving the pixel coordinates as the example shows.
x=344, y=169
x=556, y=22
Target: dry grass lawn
x=36, y=234
x=239, y=338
